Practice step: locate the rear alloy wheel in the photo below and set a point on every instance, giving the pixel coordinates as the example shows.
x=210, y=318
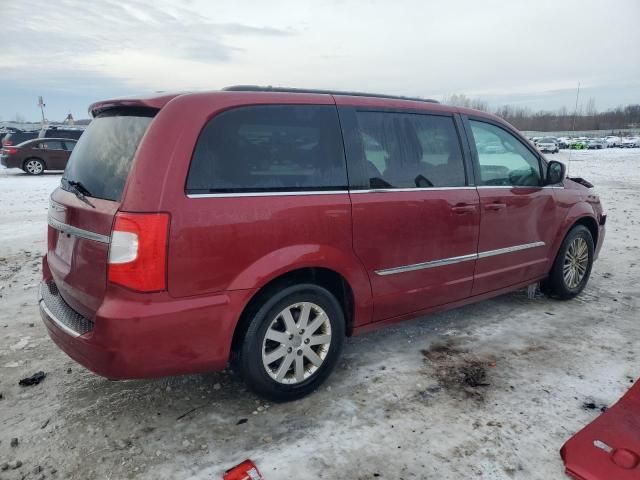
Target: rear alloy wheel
x=34, y=166
x=296, y=343
x=572, y=266
x=292, y=343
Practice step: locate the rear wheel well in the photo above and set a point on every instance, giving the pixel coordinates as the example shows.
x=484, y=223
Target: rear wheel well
x=323, y=277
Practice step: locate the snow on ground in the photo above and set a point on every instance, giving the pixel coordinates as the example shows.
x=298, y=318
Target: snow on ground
x=394, y=408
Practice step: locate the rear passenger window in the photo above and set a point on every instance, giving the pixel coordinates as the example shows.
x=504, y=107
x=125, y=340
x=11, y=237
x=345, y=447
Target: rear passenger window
x=503, y=159
x=404, y=150
x=269, y=148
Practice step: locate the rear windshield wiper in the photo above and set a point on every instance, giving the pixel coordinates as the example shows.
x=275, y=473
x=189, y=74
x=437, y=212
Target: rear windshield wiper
x=78, y=190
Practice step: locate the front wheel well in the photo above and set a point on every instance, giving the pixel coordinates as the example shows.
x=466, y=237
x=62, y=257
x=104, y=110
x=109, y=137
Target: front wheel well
x=591, y=224
x=323, y=277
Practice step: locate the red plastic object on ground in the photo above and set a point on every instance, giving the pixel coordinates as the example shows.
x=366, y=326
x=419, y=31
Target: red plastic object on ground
x=609, y=447
x=247, y=470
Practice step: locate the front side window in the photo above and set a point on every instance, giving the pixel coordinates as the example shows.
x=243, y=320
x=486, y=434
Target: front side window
x=503, y=159
x=406, y=150
x=269, y=148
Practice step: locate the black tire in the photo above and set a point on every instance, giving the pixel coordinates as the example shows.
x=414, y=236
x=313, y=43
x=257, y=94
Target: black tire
x=555, y=284
x=33, y=166
x=249, y=361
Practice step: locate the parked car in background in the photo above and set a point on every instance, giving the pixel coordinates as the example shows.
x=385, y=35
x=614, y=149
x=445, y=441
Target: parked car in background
x=548, y=145
x=630, y=142
x=613, y=141
x=578, y=144
x=15, y=138
x=60, y=132
x=563, y=142
x=36, y=156
x=596, y=144
x=254, y=234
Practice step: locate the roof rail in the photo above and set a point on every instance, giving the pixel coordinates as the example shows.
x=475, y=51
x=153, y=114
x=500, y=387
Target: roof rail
x=257, y=88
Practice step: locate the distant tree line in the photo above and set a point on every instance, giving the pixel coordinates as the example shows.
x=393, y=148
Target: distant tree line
x=586, y=118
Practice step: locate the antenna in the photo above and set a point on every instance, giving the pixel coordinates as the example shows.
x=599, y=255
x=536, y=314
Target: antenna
x=573, y=127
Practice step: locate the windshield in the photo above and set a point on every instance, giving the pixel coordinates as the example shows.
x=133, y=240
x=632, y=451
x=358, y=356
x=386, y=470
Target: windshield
x=102, y=158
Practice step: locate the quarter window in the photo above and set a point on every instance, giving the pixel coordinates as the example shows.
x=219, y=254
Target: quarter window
x=269, y=148
x=502, y=158
x=51, y=145
x=405, y=150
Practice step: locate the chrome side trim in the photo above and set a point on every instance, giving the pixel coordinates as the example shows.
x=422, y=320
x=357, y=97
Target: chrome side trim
x=265, y=194
x=515, y=248
x=55, y=320
x=416, y=189
x=423, y=265
x=511, y=187
x=77, y=232
x=453, y=260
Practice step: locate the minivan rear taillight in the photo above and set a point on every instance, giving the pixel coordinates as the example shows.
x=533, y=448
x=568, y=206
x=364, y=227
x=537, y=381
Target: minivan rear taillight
x=138, y=251
x=9, y=150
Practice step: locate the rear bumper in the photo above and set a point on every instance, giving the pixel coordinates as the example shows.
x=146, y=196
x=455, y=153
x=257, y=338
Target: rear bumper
x=135, y=338
x=10, y=162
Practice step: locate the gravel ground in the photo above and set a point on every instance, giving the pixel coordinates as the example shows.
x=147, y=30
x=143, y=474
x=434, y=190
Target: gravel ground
x=490, y=391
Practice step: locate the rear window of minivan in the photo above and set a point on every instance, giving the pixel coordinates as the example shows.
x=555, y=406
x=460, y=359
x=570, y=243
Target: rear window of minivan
x=102, y=158
x=269, y=148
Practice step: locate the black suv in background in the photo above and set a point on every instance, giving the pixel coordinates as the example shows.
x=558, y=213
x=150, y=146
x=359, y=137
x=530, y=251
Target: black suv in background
x=57, y=132
x=17, y=137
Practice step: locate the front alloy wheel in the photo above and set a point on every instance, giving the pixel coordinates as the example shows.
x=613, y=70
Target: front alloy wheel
x=572, y=266
x=576, y=261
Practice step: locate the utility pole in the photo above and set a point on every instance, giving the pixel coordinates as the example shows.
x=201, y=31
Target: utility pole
x=42, y=105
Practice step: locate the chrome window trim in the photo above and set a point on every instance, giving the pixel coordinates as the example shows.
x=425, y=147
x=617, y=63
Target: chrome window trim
x=355, y=191
x=77, y=232
x=266, y=194
x=453, y=260
x=55, y=320
x=415, y=189
x=539, y=187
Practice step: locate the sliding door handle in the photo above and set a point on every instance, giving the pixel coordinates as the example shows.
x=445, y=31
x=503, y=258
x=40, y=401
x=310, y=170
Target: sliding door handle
x=495, y=206
x=462, y=208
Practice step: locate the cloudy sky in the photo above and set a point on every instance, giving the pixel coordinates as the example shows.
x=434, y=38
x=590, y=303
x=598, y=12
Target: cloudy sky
x=74, y=52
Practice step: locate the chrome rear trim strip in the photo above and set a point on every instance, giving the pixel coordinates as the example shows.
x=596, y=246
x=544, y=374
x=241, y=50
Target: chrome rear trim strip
x=78, y=232
x=454, y=260
x=515, y=248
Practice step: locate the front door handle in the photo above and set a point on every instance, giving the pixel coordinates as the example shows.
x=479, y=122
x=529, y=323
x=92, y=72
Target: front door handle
x=495, y=206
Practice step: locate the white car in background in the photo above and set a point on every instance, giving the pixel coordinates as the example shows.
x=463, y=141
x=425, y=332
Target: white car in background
x=613, y=141
x=597, y=144
x=548, y=145
x=631, y=142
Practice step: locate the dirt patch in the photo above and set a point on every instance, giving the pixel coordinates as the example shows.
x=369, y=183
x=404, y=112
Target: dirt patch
x=457, y=370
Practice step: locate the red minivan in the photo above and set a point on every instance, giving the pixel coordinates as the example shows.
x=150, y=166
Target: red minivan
x=261, y=226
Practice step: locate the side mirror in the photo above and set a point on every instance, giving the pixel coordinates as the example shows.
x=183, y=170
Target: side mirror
x=556, y=172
